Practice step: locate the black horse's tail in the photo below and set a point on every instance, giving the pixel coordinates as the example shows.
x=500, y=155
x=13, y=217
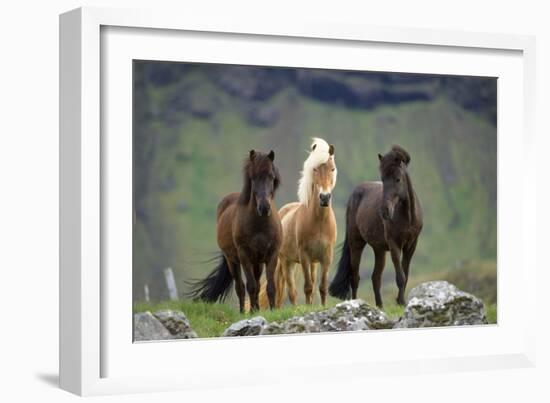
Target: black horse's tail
x=340, y=286
x=215, y=287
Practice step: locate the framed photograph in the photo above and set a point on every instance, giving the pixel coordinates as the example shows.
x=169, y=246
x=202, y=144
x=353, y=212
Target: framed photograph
x=318, y=195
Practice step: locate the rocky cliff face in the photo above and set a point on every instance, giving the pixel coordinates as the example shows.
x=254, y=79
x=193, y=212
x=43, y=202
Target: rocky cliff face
x=353, y=89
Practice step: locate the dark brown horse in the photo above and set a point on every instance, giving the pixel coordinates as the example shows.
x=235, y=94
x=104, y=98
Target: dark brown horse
x=388, y=217
x=249, y=235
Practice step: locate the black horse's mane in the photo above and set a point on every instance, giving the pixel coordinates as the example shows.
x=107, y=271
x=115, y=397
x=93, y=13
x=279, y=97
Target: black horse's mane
x=394, y=158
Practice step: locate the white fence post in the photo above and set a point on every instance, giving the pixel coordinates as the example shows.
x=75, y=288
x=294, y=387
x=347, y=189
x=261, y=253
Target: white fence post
x=171, y=283
x=146, y=291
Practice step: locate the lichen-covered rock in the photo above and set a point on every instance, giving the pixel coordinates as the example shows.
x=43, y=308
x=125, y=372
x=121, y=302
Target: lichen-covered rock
x=176, y=323
x=439, y=303
x=374, y=318
x=346, y=316
x=273, y=328
x=147, y=327
x=246, y=327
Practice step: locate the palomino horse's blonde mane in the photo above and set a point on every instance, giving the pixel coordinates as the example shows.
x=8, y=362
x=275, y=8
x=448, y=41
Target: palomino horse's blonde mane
x=318, y=155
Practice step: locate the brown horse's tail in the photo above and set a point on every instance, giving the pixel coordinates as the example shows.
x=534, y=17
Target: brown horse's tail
x=340, y=286
x=279, y=289
x=214, y=287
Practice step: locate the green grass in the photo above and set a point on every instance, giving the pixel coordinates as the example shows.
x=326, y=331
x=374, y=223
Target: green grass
x=491, y=312
x=394, y=311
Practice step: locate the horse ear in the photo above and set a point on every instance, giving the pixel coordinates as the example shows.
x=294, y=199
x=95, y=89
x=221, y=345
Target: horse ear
x=331, y=149
x=271, y=155
x=252, y=154
x=380, y=157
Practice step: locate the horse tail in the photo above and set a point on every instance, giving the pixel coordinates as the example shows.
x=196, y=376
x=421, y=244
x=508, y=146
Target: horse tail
x=214, y=287
x=340, y=286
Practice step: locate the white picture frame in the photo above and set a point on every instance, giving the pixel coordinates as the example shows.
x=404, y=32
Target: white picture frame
x=96, y=353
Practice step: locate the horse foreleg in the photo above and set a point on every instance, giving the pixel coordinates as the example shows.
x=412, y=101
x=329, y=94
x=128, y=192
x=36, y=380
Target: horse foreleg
x=313, y=275
x=252, y=286
x=325, y=266
x=305, y=261
x=323, y=285
x=288, y=270
x=280, y=284
x=258, y=269
x=408, y=253
x=400, y=278
x=271, y=267
x=379, y=263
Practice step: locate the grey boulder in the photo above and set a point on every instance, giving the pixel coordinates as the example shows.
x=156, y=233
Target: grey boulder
x=176, y=323
x=147, y=327
x=246, y=327
x=346, y=316
x=439, y=303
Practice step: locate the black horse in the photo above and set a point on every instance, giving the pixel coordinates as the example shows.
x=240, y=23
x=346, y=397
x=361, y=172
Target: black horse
x=387, y=215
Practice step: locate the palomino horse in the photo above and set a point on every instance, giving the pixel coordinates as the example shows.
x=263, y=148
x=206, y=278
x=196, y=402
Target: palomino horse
x=387, y=216
x=249, y=234
x=309, y=227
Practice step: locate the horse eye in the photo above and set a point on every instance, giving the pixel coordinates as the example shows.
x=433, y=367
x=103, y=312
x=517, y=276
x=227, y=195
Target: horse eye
x=333, y=169
x=398, y=180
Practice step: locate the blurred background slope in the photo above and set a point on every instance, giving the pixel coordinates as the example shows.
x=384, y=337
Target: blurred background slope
x=195, y=123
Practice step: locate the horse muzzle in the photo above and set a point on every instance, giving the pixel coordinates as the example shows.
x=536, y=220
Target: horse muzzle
x=387, y=212
x=324, y=199
x=263, y=210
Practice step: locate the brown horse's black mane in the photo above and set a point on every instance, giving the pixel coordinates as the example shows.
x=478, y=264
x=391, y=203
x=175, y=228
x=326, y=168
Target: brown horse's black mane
x=393, y=159
x=397, y=158
x=258, y=165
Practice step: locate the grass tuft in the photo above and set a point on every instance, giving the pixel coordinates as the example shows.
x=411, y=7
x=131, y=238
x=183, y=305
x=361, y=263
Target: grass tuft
x=491, y=313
